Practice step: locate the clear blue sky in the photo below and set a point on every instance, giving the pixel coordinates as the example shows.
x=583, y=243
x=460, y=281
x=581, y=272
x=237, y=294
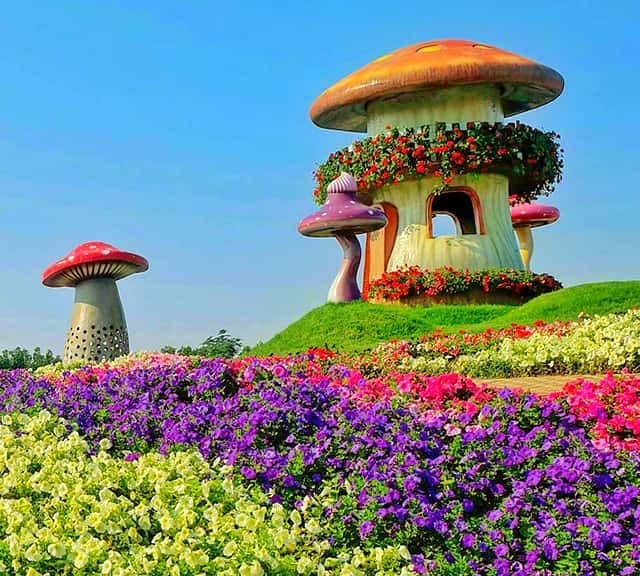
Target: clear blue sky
x=180, y=131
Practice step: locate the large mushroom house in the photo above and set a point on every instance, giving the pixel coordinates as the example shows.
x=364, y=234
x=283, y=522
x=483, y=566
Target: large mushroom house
x=437, y=145
x=98, y=329
x=342, y=216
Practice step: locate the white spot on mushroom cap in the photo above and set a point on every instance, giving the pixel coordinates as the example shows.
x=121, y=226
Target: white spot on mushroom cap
x=105, y=252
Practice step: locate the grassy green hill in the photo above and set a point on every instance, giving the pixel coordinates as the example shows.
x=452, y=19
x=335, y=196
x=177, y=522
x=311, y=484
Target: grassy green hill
x=360, y=325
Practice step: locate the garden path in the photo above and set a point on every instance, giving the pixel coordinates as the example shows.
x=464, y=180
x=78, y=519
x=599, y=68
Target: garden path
x=539, y=384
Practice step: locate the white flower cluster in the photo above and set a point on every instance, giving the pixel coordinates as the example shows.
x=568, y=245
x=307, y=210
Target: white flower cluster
x=593, y=345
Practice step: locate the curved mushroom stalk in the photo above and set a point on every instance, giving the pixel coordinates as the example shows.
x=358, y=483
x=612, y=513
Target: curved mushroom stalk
x=345, y=286
x=98, y=329
x=525, y=238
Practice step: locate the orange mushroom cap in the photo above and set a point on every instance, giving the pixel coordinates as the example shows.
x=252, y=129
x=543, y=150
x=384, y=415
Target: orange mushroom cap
x=524, y=84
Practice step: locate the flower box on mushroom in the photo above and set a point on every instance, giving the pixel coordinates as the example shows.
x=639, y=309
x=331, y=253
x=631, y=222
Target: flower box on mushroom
x=437, y=146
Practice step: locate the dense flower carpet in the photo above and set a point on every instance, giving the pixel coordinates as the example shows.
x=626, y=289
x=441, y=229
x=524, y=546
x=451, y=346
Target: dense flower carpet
x=374, y=464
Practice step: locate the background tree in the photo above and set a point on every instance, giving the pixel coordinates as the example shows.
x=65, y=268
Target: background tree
x=22, y=358
x=223, y=345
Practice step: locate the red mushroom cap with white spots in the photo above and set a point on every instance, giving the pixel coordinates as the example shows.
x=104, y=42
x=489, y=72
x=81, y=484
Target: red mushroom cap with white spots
x=342, y=212
x=533, y=215
x=92, y=260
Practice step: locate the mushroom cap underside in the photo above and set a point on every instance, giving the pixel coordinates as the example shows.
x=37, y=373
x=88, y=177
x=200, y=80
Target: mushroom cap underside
x=93, y=260
x=318, y=226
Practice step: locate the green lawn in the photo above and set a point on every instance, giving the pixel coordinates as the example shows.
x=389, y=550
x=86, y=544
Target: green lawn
x=359, y=325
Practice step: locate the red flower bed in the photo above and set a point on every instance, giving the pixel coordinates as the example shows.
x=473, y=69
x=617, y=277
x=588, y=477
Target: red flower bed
x=413, y=281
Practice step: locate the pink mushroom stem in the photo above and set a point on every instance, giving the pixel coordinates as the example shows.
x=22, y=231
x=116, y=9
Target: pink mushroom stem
x=345, y=285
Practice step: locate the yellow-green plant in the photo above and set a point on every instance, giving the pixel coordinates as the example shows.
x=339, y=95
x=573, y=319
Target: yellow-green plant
x=64, y=511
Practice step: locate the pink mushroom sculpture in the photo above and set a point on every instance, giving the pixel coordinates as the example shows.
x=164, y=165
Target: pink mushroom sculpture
x=343, y=216
x=524, y=217
x=98, y=329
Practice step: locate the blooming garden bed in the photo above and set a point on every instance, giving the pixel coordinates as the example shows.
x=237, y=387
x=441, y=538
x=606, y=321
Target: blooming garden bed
x=446, y=285
x=324, y=464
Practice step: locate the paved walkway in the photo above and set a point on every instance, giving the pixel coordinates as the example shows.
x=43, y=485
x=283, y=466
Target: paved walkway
x=538, y=384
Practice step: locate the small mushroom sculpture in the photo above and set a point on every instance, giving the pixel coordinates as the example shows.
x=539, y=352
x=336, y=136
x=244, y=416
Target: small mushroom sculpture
x=98, y=329
x=343, y=216
x=524, y=217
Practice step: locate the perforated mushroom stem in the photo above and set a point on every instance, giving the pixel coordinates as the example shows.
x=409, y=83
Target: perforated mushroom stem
x=343, y=216
x=524, y=217
x=98, y=329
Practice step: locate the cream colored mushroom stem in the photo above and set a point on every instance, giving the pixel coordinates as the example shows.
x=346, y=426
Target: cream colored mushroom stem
x=525, y=238
x=345, y=286
x=98, y=329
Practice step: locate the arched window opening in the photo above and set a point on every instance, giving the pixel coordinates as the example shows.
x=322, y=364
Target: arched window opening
x=454, y=212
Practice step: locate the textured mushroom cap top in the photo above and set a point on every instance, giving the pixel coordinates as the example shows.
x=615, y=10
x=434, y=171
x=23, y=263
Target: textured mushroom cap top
x=533, y=215
x=92, y=260
x=342, y=212
x=524, y=84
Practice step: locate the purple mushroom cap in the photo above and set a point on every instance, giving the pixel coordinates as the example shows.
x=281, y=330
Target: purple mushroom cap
x=342, y=212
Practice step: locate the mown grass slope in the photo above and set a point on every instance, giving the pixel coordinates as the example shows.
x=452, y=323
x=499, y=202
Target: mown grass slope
x=358, y=326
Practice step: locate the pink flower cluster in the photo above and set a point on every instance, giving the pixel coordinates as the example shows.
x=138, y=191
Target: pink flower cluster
x=611, y=405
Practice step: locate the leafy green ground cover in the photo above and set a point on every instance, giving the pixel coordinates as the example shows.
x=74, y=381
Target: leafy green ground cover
x=360, y=326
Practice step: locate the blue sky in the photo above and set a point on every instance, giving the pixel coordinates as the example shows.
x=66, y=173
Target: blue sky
x=180, y=131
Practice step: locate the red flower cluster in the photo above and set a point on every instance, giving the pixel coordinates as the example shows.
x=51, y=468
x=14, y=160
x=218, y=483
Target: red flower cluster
x=413, y=281
x=529, y=157
x=452, y=345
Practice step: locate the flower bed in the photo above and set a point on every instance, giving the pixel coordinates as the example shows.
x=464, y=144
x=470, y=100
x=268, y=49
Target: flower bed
x=63, y=511
x=413, y=285
x=375, y=474
x=593, y=346
x=532, y=159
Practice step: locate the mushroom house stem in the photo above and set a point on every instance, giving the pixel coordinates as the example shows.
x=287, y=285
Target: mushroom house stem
x=525, y=238
x=345, y=286
x=98, y=329
x=457, y=104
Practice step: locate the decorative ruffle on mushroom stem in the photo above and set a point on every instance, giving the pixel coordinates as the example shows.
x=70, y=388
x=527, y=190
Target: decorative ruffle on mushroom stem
x=524, y=217
x=343, y=216
x=98, y=329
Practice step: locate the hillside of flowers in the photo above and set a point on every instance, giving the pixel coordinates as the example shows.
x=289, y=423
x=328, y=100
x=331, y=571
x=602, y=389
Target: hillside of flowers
x=328, y=464
x=592, y=345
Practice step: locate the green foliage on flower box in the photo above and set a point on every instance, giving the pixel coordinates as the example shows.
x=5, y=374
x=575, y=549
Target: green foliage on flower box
x=530, y=158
